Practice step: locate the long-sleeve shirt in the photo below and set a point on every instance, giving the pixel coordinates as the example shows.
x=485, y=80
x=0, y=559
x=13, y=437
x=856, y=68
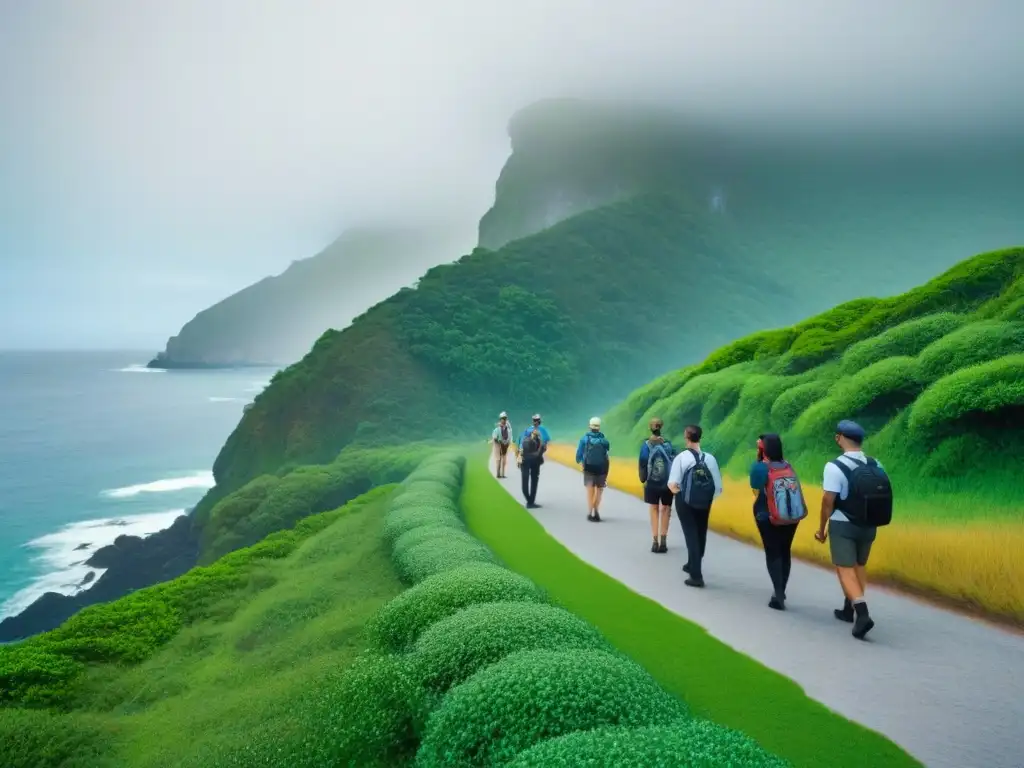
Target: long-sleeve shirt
x=581, y=447
x=545, y=438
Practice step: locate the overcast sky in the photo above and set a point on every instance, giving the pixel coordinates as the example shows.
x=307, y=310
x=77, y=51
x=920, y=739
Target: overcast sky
x=156, y=155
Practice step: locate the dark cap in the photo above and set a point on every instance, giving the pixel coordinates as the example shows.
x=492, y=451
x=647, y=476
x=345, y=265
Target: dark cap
x=850, y=429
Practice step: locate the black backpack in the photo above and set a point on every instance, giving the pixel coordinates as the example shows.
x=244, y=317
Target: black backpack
x=698, y=489
x=531, y=447
x=868, y=502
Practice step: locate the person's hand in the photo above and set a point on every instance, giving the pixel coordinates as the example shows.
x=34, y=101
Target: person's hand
x=821, y=535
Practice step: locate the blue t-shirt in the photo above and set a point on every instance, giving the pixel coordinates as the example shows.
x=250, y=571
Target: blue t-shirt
x=758, y=480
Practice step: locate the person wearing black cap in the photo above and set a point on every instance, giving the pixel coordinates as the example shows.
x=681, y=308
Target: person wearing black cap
x=529, y=456
x=851, y=540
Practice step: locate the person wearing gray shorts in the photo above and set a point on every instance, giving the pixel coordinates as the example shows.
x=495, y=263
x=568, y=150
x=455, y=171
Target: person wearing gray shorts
x=849, y=544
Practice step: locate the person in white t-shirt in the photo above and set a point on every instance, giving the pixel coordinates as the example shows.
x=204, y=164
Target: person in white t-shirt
x=696, y=481
x=850, y=544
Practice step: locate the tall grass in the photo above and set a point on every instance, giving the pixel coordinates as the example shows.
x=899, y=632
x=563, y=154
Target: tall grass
x=976, y=564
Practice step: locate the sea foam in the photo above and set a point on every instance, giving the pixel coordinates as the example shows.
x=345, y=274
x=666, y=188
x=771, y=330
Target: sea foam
x=202, y=480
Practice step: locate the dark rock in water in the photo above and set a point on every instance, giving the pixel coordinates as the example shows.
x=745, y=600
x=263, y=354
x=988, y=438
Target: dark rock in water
x=82, y=546
x=131, y=563
x=88, y=578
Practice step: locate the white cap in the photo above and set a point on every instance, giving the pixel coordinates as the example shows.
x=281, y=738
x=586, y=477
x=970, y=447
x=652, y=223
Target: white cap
x=536, y=417
x=595, y=423
x=502, y=415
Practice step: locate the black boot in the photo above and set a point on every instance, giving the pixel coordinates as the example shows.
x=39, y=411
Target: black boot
x=862, y=623
x=654, y=546
x=846, y=612
x=663, y=547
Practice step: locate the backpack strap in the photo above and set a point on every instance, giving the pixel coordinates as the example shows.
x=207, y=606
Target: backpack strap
x=844, y=468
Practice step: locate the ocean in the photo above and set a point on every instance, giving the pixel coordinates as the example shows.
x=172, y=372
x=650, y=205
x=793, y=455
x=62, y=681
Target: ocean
x=94, y=445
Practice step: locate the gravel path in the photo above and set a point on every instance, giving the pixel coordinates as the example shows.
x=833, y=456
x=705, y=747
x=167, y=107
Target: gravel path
x=947, y=689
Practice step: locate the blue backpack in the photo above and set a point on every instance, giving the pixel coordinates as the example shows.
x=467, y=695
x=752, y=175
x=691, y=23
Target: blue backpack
x=595, y=456
x=659, y=464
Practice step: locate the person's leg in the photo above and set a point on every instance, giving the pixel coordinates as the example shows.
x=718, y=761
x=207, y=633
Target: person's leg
x=524, y=469
x=788, y=532
x=691, y=532
x=665, y=517
x=770, y=540
x=652, y=510
x=534, y=481
x=702, y=516
x=599, y=485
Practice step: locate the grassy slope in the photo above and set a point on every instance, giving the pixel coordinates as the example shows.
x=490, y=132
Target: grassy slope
x=504, y=329
x=251, y=666
x=937, y=377
x=726, y=686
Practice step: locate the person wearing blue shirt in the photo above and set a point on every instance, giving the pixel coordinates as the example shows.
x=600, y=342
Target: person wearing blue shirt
x=529, y=456
x=777, y=540
x=592, y=453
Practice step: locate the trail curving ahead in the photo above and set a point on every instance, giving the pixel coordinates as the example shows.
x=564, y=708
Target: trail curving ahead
x=946, y=688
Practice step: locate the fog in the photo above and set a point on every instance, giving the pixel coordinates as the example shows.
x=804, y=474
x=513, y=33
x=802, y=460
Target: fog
x=156, y=156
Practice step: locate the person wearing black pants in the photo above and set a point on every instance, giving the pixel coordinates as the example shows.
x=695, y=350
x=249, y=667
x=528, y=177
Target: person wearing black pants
x=531, y=474
x=696, y=481
x=777, y=540
x=694, y=523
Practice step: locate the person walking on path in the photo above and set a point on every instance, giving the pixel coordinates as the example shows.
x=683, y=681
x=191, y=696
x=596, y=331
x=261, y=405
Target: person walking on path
x=656, y=455
x=856, y=499
x=502, y=439
x=592, y=453
x=696, y=482
x=779, y=506
x=529, y=456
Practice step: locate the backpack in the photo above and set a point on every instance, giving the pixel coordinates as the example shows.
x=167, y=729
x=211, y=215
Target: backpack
x=785, y=501
x=868, y=502
x=698, y=489
x=595, y=456
x=531, y=447
x=659, y=463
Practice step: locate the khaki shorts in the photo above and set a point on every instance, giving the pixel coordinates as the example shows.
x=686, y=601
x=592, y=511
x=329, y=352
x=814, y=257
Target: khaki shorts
x=850, y=544
x=598, y=481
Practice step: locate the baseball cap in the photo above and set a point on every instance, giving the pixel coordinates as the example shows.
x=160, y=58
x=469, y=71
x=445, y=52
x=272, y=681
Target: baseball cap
x=850, y=429
x=502, y=415
x=595, y=422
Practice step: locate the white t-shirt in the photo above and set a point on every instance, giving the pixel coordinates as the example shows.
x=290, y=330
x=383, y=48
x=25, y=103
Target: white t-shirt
x=835, y=481
x=685, y=460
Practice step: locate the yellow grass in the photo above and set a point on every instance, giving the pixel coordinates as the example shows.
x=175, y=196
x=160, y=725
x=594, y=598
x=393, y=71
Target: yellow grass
x=979, y=565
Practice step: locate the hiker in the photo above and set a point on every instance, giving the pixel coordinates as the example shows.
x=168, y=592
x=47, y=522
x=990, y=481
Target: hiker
x=696, y=482
x=529, y=456
x=502, y=439
x=656, y=455
x=779, y=506
x=592, y=454
x=857, y=499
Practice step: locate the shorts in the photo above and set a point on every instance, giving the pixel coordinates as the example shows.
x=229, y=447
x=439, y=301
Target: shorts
x=659, y=496
x=502, y=448
x=598, y=481
x=850, y=544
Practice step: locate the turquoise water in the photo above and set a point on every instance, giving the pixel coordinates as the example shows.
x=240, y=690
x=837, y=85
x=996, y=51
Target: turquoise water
x=92, y=445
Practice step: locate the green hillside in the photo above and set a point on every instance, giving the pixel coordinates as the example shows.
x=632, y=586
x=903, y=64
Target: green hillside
x=936, y=376
x=562, y=322
x=274, y=321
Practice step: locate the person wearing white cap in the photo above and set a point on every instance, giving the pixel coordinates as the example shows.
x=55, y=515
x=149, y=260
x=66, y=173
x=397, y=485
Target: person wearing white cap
x=592, y=454
x=529, y=456
x=501, y=437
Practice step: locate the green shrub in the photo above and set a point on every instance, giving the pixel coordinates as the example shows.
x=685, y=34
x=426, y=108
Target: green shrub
x=686, y=744
x=435, y=556
x=980, y=392
x=455, y=648
x=416, y=536
x=39, y=739
x=794, y=401
x=401, y=621
x=535, y=695
x=423, y=498
x=972, y=344
x=906, y=339
x=400, y=521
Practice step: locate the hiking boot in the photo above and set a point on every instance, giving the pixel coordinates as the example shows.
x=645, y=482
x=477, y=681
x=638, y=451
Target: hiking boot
x=692, y=582
x=663, y=547
x=862, y=624
x=777, y=604
x=531, y=505
x=597, y=517
x=843, y=614
x=686, y=568
x=655, y=546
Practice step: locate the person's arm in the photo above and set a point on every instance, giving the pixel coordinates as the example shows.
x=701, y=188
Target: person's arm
x=831, y=485
x=675, y=474
x=579, y=449
x=716, y=474
x=758, y=477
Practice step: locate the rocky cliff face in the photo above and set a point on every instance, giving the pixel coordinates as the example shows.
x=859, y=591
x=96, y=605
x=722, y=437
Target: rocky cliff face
x=275, y=321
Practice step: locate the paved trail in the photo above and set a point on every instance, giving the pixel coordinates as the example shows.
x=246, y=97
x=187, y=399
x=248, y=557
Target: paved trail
x=947, y=689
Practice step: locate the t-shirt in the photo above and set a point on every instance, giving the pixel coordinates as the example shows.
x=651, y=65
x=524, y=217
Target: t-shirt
x=758, y=480
x=835, y=481
x=497, y=437
x=685, y=460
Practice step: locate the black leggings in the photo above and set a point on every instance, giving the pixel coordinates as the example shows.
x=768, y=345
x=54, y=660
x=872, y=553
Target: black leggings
x=778, y=542
x=531, y=475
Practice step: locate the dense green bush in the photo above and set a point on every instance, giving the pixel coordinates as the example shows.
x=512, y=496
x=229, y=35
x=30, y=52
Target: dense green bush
x=435, y=556
x=906, y=339
x=44, y=670
x=455, y=648
x=686, y=744
x=416, y=536
x=530, y=696
x=402, y=520
x=401, y=621
x=794, y=401
x=39, y=739
x=975, y=343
